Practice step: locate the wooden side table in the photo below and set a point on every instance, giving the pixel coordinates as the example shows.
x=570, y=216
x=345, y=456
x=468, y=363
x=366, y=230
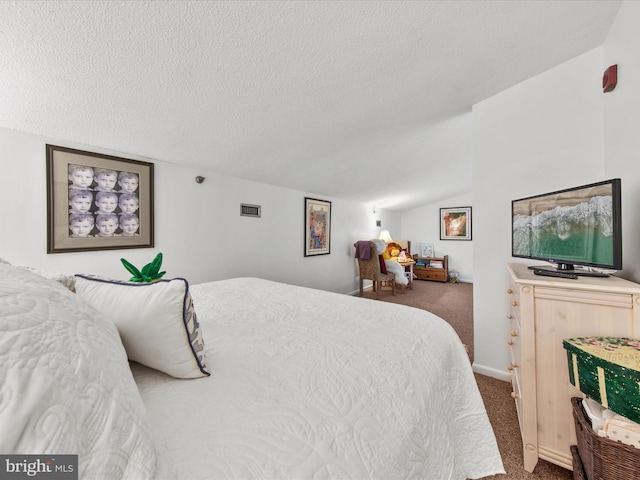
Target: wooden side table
x=408, y=271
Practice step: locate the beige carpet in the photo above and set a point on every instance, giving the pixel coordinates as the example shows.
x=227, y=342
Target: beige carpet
x=454, y=303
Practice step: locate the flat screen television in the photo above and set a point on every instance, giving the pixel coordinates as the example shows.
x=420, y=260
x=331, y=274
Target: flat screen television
x=576, y=226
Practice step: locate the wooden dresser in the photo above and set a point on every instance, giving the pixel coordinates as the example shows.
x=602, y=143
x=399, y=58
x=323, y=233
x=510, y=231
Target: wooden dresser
x=542, y=312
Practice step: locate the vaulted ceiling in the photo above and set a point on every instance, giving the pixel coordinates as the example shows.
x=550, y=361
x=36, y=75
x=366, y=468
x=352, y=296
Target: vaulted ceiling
x=360, y=100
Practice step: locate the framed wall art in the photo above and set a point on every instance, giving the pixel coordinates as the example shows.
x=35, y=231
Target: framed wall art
x=455, y=223
x=317, y=227
x=427, y=250
x=97, y=202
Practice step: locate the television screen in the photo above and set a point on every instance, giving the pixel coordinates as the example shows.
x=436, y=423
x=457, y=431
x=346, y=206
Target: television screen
x=578, y=225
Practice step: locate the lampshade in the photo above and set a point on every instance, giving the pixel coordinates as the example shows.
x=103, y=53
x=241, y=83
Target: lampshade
x=386, y=236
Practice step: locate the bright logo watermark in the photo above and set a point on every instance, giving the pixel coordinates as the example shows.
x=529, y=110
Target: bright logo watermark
x=49, y=467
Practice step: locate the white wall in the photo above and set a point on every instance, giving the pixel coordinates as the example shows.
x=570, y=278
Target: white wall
x=197, y=226
x=621, y=138
x=553, y=131
x=542, y=135
x=422, y=225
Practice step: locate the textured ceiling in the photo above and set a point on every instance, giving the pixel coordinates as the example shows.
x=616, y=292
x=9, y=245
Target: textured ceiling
x=360, y=100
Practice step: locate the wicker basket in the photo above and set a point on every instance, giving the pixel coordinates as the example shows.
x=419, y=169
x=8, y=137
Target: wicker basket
x=602, y=458
x=578, y=468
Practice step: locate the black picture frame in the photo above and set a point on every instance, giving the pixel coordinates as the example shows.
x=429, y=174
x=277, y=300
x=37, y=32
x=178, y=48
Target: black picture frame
x=80, y=211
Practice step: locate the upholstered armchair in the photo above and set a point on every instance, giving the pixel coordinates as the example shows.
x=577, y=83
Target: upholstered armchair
x=370, y=270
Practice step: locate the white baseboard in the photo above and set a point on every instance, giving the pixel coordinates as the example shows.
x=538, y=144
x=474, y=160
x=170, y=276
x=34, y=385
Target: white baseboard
x=492, y=372
x=356, y=293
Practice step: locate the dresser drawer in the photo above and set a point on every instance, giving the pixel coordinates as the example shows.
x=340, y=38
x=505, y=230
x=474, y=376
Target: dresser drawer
x=513, y=293
x=514, y=343
x=437, y=274
x=514, y=339
x=516, y=394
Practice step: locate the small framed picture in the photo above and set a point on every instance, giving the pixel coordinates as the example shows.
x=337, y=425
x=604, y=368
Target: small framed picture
x=317, y=227
x=97, y=202
x=427, y=250
x=455, y=223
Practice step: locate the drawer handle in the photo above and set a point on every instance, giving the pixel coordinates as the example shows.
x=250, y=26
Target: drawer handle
x=514, y=333
x=514, y=365
x=514, y=303
x=510, y=342
x=509, y=291
x=509, y=317
x=514, y=395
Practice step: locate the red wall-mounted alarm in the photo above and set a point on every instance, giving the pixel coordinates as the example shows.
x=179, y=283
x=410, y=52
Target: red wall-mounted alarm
x=610, y=78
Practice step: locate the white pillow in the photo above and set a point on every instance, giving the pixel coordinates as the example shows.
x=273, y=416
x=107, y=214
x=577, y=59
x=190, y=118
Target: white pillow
x=157, y=322
x=65, y=383
x=379, y=245
x=66, y=279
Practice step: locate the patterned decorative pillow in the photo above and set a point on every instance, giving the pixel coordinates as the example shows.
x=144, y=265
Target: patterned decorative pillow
x=157, y=322
x=66, y=279
x=66, y=386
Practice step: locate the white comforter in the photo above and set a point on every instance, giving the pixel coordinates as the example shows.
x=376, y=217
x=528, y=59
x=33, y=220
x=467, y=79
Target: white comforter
x=308, y=384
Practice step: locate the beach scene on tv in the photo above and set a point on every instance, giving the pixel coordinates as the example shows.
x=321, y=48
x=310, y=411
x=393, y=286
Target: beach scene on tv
x=577, y=225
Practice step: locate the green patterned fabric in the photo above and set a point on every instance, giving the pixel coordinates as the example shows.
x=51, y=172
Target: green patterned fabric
x=607, y=369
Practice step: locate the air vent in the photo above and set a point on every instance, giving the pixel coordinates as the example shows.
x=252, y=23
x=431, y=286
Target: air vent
x=249, y=210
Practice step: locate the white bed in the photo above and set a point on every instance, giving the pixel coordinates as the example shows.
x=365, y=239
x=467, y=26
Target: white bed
x=304, y=384
x=307, y=384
